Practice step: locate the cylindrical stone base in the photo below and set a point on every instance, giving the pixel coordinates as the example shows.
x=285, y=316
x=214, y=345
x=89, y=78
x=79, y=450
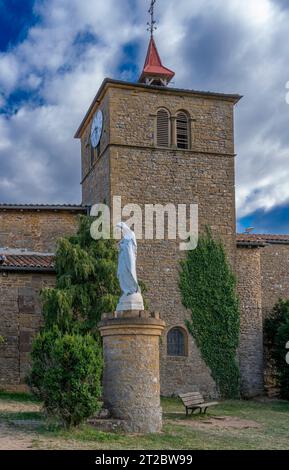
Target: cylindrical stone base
x=131, y=382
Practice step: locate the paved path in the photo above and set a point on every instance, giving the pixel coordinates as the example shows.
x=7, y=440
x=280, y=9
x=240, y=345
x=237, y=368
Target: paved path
x=14, y=439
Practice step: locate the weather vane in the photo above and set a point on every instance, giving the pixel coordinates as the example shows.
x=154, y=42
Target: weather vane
x=152, y=25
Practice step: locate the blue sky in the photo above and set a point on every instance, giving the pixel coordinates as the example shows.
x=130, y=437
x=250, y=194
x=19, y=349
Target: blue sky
x=54, y=55
x=16, y=17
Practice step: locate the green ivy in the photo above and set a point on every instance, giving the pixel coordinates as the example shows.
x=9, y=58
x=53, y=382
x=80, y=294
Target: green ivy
x=276, y=331
x=208, y=289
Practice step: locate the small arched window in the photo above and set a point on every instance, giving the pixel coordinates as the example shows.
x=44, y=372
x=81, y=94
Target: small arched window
x=176, y=342
x=163, y=128
x=182, y=131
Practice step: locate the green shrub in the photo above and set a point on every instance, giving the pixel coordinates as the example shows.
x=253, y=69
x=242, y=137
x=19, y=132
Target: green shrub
x=277, y=336
x=208, y=289
x=66, y=375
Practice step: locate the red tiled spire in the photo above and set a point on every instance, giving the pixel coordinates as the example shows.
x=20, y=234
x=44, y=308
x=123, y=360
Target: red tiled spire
x=153, y=68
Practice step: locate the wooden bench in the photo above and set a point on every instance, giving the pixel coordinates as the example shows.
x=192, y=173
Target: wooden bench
x=195, y=401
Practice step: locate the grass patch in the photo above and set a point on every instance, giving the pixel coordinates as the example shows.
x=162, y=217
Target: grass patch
x=86, y=433
x=21, y=416
x=18, y=397
x=179, y=432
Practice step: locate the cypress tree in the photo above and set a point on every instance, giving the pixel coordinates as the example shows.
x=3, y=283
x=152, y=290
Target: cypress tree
x=86, y=282
x=276, y=338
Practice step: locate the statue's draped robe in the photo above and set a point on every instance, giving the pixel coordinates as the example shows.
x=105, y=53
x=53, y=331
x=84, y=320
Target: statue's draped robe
x=126, y=272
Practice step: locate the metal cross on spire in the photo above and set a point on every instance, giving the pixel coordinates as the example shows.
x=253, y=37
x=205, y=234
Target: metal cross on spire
x=152, y=25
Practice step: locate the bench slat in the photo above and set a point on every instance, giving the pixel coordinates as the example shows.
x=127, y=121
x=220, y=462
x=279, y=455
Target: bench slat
x=203, y=405
x=191, y=394
x=192, y=402
x=197, y=399
x=191, y=398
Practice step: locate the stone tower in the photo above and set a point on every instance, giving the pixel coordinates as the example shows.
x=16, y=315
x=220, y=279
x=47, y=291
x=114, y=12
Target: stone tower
x=161, y=145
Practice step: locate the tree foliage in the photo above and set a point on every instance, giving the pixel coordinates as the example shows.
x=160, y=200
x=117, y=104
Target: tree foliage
x=66, y=375
x=277, y=336
x=208, y=289
x=67, y=354
x=86, y=282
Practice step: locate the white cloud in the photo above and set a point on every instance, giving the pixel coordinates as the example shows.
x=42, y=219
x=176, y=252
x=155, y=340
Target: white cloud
x=8, y=72
x=246, y=43
x=38, y=156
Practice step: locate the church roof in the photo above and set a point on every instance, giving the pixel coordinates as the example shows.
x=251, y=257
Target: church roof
x=43, y=207
x=27, y=262
x=257, y=239
x=15, y=260
x=153, y=65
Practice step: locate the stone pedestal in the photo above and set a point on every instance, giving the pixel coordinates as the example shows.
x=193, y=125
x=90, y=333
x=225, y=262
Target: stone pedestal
x=130, y=302
x=131, y=382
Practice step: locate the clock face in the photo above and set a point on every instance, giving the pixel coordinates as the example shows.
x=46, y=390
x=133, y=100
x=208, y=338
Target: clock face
x=96, y=129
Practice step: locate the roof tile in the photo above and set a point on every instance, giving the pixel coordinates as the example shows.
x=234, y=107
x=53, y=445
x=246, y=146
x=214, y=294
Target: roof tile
x=265, y=238
x=45, y=262
x=38, y=207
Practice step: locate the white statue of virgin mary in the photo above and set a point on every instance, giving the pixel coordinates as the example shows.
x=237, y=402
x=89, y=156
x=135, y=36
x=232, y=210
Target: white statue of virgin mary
x=126, y=273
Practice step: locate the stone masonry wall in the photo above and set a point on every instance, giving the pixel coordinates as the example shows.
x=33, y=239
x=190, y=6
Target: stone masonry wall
x=275, y=285
x=95, y=178
x=155, y=176
x=96, y=186
x=20, y=310
x=158, y=261
x=275, y=275
x=35, y=231
x=143, y=174
x=131, y=379
x=20, y=320
x=133, y=112
x=248, y=267
x=204, y=175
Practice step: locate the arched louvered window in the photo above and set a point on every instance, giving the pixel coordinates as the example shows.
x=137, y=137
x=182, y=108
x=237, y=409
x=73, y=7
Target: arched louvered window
x=176, y=342
x=163, y=128
x=182, y=131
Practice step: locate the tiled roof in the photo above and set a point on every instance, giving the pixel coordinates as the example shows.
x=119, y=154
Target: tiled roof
x=153, y=64
x=46, y=262
x=43, y=207
x=26, y=262
x=261, y=239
